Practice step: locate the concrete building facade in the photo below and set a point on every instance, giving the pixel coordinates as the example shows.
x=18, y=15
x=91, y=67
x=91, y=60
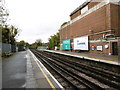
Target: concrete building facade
x=100, y=22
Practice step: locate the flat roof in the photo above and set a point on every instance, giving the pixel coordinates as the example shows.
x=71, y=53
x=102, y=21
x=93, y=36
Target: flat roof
x=81, y=6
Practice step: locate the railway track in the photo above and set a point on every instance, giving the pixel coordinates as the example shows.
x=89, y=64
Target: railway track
x=79, y=75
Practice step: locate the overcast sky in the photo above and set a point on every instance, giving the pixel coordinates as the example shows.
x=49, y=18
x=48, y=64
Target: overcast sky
x=39, y=19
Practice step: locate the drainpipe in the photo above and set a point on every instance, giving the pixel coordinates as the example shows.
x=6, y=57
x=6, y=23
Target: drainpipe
x=110, y=47
x=118, y=51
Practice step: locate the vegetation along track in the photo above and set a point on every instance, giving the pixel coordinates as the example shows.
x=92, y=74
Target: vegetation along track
x=79, y=75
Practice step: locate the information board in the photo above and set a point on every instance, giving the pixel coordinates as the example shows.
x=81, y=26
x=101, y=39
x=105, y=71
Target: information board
x=66, y=44
x=81, y=43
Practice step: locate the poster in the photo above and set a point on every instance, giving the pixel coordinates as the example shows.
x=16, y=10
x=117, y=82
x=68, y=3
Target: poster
x=81, y=43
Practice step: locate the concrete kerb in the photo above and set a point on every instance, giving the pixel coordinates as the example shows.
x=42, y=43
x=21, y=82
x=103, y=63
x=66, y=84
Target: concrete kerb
x=46, y=71
x=30, y=79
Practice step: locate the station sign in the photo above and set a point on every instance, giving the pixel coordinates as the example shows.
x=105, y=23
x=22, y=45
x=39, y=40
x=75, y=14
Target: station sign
x=66, y=44
x=81, y=43
x=93, y=47
x=99, y=48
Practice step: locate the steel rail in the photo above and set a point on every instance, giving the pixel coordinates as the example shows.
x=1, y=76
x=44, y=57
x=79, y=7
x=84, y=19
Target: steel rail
x=111, y=76
x=103, y=79
x=86, y=82
x=98, y=77
x=73, y=85
x=93, y=72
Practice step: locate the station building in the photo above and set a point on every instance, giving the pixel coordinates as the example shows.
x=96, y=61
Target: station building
x=94, y=27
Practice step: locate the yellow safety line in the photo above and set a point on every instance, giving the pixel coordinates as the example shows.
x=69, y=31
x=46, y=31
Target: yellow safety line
x=53, y=87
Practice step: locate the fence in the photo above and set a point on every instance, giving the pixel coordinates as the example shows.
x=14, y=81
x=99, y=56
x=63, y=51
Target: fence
x=8, y=48
x=13, y=48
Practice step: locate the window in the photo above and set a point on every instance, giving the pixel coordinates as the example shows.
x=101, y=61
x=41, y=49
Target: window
x=83, y=10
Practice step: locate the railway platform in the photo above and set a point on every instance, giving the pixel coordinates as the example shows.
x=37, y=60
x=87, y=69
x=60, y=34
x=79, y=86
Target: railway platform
x=38, y=76
x=101, y=58
x=24, y=70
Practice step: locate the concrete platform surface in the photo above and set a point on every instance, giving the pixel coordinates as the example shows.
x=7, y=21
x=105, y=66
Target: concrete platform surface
x=38, y=76
x=24, y=71
x=14, y=71
x=102, y=58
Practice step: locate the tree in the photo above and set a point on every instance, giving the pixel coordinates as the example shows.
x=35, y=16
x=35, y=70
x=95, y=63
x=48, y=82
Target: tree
x=8, y=34
x=5, y=35
x=33, y=46
x=39, y=42
x=64, y=24
x=54, y=41
x=22, y=42
x=27, y=44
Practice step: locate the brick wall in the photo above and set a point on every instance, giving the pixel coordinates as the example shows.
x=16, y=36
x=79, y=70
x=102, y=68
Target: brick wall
x=104, y=51
x=95, y=22
x=92, y=4
x=115, y=18
x=105, y=18
x=78, y=12
x=119, y=51
x=75, y=14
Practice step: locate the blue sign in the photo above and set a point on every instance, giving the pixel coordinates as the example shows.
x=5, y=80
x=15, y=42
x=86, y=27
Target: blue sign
x=66, y=44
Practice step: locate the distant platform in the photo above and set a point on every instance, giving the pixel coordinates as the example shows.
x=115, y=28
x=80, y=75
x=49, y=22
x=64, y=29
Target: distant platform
x=101, y=58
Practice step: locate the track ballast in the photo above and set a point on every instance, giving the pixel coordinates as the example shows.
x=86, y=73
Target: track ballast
x=74, y=73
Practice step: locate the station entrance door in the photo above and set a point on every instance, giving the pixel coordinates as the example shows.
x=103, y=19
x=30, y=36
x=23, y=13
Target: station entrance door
x=114, y=48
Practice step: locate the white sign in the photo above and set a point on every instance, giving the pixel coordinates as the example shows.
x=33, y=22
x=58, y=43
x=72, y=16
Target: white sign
x=100, y=48
x=81, y=43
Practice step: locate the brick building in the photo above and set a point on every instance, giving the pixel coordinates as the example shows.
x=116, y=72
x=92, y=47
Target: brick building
x=94, y=28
